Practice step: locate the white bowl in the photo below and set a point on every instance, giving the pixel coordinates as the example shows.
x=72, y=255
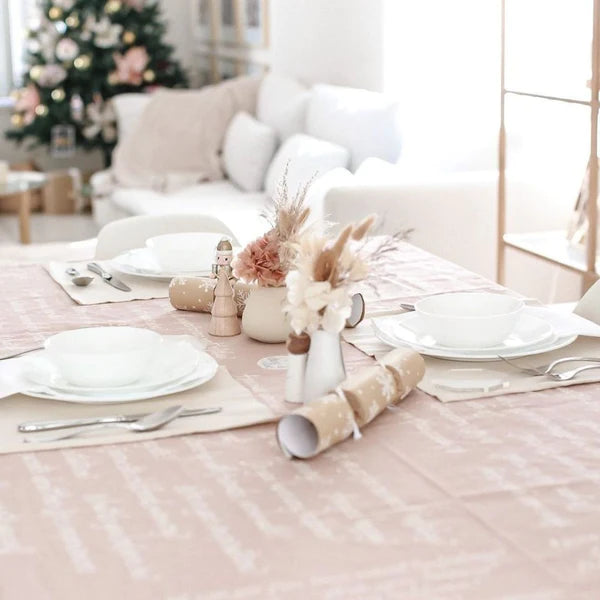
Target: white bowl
x=184, y=252
x=470, y=319
x=103, y=356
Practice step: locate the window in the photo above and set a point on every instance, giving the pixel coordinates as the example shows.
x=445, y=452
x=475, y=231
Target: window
x=13, y=23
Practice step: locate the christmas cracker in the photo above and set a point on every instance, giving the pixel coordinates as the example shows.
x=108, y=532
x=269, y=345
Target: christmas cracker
x=198, y=293
x=360, y=398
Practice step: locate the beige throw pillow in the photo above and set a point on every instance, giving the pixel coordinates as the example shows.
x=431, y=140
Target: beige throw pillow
x=182, y=131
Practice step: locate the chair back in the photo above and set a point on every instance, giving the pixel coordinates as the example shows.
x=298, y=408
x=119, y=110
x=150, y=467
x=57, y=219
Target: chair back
x=589, y=306
x=132, y=232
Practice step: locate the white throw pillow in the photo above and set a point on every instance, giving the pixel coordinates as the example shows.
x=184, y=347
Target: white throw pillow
x=247, y=151
x=307, y=156
x=367, y=123
x=282, y=104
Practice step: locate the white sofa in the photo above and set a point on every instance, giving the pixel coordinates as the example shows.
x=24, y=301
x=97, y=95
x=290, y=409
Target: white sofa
x=325, y=129
x=444, y=192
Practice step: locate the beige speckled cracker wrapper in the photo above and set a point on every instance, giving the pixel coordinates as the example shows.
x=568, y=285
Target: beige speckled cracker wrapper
x=315, y=427
x=373, y=389
x=357, y=401
x=197, y=293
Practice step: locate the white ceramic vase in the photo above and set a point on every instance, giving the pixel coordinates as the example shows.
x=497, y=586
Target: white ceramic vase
x=324, y=365
x=263, y=318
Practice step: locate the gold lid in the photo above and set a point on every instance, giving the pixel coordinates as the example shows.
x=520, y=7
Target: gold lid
x=224, y=244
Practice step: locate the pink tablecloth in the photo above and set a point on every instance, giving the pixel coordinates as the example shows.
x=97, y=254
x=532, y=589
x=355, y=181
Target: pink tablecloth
x=482, y=500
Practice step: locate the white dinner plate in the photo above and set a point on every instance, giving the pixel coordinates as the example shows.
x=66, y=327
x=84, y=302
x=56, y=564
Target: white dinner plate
x=204, y=371
x=140, y=262
x=384, y=328
x=176, y=359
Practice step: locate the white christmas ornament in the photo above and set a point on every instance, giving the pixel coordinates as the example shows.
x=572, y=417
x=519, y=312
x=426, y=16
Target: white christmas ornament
x=64, y=4
x=47, y=36
x=33, y=45
x=51, y=75
x=77, y=108
x=106, y=34
x=66, y=49
x=87, y=29
x=101, y=120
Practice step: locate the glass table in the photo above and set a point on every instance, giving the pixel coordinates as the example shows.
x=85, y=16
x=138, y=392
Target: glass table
x=21, y=184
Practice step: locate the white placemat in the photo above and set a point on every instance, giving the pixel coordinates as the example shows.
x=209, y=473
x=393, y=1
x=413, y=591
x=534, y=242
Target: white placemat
x=239, y=409
x=100, y=292
x=440, y=372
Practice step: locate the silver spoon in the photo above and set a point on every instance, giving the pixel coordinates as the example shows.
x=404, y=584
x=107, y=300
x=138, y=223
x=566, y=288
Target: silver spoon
x=77, y=279
x=150, y=422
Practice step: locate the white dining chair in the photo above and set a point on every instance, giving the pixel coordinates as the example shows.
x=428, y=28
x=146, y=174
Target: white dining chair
x=132, y=232
x=589, y=305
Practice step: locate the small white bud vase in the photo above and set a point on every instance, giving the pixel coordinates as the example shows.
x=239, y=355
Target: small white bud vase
x=263, y=319
x=324, y=365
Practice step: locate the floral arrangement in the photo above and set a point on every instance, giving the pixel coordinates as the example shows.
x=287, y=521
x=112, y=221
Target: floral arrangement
x=318, y=295
x=267, y=260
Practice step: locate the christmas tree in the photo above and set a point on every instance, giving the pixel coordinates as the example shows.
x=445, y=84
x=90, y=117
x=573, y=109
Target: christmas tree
x=80, y=54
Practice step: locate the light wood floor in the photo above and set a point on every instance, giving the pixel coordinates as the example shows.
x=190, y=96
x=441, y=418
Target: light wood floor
x=49, y=228
x=54, y=237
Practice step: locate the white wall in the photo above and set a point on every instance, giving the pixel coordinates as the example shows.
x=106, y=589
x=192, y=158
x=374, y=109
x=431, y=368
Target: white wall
x=177, y=15
x=179, y=34
x=335, y=41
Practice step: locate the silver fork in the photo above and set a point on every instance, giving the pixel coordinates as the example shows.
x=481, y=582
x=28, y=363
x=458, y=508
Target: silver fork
x=568, y=375
x=548, y=368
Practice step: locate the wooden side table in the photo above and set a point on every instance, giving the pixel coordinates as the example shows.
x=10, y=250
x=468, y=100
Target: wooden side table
x=21, y=184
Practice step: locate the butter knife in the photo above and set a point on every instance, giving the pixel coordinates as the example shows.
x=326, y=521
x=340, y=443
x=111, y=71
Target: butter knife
x=108, y=277
x=31, y=426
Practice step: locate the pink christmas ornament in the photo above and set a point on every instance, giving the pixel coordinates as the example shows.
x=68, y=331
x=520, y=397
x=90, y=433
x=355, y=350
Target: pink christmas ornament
x=131, y=65
x=26, y=103
x=135, y=4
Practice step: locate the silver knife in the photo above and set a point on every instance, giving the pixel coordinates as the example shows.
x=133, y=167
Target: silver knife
x=31, y=426
x=108, y=277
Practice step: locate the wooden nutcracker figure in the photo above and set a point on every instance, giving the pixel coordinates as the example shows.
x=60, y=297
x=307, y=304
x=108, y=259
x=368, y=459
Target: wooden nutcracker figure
x=224, y=321
x=223, y=258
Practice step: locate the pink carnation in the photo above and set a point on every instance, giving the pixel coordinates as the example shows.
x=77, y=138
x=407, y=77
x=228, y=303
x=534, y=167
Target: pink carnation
x=259, y=262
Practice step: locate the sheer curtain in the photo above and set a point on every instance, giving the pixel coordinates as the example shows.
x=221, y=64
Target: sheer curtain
x=442, y=59
x=14, y=15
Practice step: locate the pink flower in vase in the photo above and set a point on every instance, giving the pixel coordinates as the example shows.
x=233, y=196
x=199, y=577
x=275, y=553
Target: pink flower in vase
x=131, y=65
x=259, y=262
x=27, y=101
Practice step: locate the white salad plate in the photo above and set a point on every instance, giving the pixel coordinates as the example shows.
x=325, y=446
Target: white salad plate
x=140, y=262
x=532, y=335
x=186, y=368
